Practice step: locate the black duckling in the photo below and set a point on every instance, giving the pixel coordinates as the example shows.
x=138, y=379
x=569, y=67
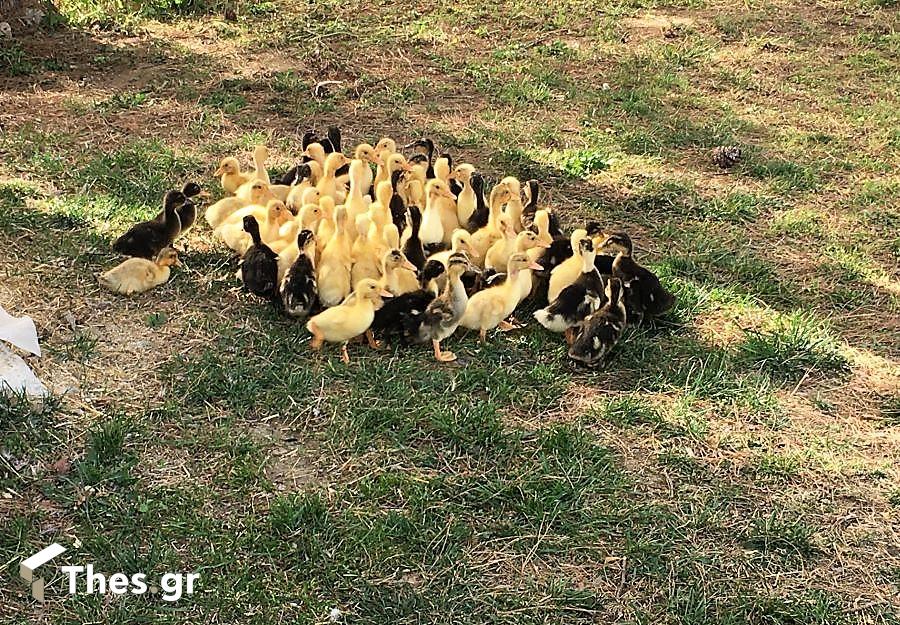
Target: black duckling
x=600, y=331
x=398, y=207
x=443, y=313
x=578, y=300
x=309, y=136
x=428, y=275
x=259, y=268
x=532, y=193
x=298, y=288
x=332, y=140
x=148, y=238
x=455, y=185
x=187, y=212
x=644, y=294
x=481, y=213
x=401, y=315
x=412, y=248
x=295, y=175
x=423, y=144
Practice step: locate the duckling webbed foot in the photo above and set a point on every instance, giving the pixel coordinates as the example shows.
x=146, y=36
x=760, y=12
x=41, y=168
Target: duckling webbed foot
x=442, y=356
x=570, y=335
x=318, y=338
x=345, y=355
x=370, y=338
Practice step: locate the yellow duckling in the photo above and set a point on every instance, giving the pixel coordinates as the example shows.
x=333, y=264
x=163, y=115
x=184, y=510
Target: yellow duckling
x=542, y=224
x=137, y=275
x=489, y=308
x=364, y=253
x=219, y=212
x=357, y=201
x=316, y=152
x=392, y=162
x=260, y=156
x=328, y=185
x=301, y=195
x=366, y=153
x=350, y=319
x=399, y=276
x=567, y=271
x=465, y=202
x=333, y=271
x=271, y=218
x=514, y=207
x=431, y=232
x=326, y=224
x=246, y=191
x=485, y=237
x=498, y=254
x=230, y=174
x=461, y=241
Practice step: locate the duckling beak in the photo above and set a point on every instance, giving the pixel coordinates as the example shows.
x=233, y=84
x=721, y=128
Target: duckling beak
x=386, y=293
x=204, y=195
x=473, y=252
x=406, y=167
x=448, y=195
x=219, y=172
x=544, y=243
x=535, y=266
x=409, y=265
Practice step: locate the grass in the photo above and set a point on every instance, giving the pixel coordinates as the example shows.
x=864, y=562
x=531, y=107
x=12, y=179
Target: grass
x=711, y=473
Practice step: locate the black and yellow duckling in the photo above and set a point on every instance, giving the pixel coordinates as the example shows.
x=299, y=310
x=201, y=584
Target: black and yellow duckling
x=576, y=301
x=644, y=294
x=600, y=331
x=259, y=268
x=148, y=238
x=443, y=313
x=298, y=288
x=412, y=247
x=401, y=315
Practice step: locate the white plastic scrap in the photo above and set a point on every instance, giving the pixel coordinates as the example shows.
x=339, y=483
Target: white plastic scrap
x=15, y=374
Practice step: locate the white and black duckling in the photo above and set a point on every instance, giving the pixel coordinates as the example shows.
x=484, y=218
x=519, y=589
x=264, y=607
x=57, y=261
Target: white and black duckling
x=430, y=274
x=600, y=331
x=298, y=288
x=136, y=275
x=489, y=308
x=259, y=267
x=443, y=314
x=148, y=238
x=576, y=301
x=567, y=271
x=349, y=319
x=412, y=246
x=644, y=294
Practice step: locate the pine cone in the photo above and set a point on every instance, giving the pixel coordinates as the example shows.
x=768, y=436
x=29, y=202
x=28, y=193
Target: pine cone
x=726, y=156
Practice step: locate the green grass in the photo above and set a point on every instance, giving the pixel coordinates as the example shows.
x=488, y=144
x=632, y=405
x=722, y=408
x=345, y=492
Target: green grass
x=797, y=346
x=698, y=478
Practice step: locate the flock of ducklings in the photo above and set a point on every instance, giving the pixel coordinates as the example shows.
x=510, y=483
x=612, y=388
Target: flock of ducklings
x=413, y=249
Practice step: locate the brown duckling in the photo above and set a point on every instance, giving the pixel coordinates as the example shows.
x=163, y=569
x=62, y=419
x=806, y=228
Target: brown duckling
x=148, y=238
x=259, y=267
x=600, y=331
x=644, y=294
